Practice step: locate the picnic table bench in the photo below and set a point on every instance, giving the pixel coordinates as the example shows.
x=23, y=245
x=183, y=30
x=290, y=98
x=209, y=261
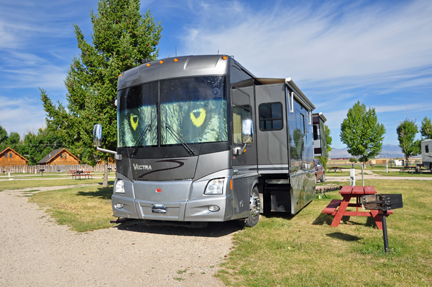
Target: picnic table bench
x=410, y=168
x=337, y=208
x=335, y=168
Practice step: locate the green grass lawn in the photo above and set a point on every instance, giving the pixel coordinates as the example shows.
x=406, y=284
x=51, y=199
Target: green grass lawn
x=343, y=173
x=81, y=208
x=305, y=250
x=407, y=174
x=20, y=184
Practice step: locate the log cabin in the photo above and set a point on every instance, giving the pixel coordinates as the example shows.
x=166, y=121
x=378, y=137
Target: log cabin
x=59, y=157
x=9, y=157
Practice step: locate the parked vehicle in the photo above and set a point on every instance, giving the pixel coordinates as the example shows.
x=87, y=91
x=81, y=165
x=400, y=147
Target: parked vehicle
x=320, y=145
x=201, y=139
x=426, y=151
x=319, y=171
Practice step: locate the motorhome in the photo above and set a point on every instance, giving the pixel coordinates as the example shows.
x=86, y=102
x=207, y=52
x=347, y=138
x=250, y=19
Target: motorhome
x=201, y=139
x=426, y=152
x=320, y=145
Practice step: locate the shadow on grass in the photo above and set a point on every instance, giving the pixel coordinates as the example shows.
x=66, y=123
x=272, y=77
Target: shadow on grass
x=213, y=229
x=323, y=219
x=343, y=236
x=101, y=192
x=328, y=219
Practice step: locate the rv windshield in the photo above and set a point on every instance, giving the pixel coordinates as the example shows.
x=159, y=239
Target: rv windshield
x=192, y=110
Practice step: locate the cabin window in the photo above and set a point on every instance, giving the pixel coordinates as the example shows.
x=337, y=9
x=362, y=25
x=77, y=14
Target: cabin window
x=10, y=155
x=270, y=115
x=6, y=155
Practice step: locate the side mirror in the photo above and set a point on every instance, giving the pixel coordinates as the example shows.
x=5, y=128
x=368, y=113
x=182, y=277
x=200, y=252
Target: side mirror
x=97, y=135
x=247, y=137
x=247, y=131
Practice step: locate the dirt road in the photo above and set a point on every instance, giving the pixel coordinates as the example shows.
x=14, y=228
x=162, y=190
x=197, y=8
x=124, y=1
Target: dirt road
x=34, y=251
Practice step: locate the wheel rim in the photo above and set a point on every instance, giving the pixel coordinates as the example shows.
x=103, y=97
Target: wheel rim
x=254, y=205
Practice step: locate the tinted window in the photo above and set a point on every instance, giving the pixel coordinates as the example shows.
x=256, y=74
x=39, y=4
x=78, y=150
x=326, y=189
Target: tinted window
x=270, y=115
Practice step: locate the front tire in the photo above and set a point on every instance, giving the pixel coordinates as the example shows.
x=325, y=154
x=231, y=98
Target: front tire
x=254, y=209
x=323, y=178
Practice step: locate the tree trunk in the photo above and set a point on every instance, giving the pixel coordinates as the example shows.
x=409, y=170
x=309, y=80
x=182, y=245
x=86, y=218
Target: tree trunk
x=105, y=180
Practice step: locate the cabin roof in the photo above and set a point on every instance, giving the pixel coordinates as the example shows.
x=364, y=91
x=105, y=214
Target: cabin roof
x=11, y=149
x=49, y=157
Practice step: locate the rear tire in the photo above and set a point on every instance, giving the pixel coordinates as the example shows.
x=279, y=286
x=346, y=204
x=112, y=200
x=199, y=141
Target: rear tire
x=254, y=209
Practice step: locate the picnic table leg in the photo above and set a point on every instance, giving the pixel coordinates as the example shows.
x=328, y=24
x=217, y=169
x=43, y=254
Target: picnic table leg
x=378, y=218
x=340, y=212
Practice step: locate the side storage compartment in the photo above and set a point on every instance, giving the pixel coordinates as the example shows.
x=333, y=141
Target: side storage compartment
x=276, y=196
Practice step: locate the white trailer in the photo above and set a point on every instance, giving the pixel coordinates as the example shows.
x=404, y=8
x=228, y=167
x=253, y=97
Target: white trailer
x=426, y=152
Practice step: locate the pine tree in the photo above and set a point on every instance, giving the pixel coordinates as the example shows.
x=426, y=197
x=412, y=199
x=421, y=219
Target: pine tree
x=407, y=131
x=362, y=133
x=121, y=39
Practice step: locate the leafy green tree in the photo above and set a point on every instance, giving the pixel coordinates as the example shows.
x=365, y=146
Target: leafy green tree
x=3, y=134
x=37, y=146
x=121, y=39
x=407, y=131
x=362, y=133
x=14, y=138
x=426, y=128
x=353, y=160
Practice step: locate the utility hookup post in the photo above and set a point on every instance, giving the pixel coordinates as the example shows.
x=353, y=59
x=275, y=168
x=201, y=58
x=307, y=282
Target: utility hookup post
x=352, y=175
x=386, y=167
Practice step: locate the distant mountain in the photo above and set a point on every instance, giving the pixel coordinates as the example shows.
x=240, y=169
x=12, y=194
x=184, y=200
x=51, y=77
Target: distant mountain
x=388, y=151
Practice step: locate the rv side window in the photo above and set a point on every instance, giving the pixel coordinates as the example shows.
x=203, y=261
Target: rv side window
x=426, y=149
x=300, y=122
x=240, y=113
x=270, y=115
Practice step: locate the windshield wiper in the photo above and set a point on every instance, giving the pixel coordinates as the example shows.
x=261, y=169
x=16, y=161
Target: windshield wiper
x=144, y=132
x=180, y=139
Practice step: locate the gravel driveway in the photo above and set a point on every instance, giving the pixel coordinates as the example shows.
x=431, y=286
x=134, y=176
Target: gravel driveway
x=34, y=251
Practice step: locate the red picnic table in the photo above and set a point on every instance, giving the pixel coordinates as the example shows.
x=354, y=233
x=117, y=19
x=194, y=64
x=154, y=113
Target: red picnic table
x=338, y=207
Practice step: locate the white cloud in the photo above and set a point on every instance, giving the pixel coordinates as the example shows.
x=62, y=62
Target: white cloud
x=318, y=44
x=21, y=115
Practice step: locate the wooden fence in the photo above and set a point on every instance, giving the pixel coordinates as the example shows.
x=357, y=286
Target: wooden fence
x=54, y=168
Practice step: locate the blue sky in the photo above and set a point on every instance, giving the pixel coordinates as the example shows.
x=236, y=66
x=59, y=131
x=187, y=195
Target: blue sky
x=337, y=52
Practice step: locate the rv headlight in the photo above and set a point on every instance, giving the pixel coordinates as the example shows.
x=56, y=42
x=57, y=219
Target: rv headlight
x=119, y=187
x=215, y=186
